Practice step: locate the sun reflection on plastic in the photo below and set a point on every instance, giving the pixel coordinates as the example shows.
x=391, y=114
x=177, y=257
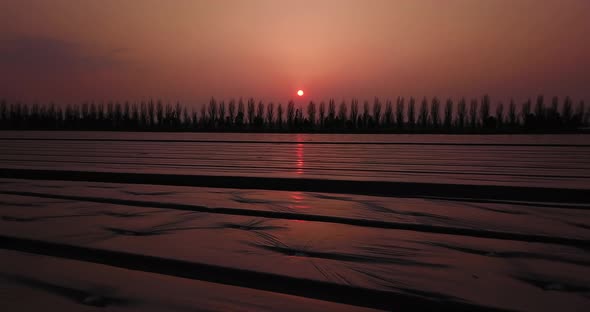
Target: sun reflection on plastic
x=298, y=200
x=299, y=161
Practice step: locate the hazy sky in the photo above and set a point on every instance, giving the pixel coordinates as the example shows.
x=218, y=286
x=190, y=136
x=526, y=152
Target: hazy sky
x=73, y=50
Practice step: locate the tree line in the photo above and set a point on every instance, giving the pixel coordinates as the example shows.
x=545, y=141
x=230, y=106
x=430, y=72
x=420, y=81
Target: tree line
x=411, y=115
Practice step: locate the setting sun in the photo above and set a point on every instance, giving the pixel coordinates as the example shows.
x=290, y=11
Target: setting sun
x=300, y=92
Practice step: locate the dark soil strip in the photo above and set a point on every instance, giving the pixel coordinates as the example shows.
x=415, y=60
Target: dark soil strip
x=294, y=142
x=243, y=278
x=376, y=188
x=328, y=219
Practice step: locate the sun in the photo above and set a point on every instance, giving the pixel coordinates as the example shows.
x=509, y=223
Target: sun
x=300, y=92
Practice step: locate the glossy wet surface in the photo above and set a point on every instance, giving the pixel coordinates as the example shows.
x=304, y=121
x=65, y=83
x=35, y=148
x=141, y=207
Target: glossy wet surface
x=392, y=251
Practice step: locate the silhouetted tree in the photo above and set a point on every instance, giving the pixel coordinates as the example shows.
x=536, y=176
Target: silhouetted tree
x=377, y=111
x=387, y=116
x=331, y=112
x=342, y=112
x=86, y=112
x=366, y=114
x=186, y=118
x=298, y=118
x=101, y=111
x=213, y=112
x=412, y=112
x=168, y=115
x=177, y=115
x=311, y=113
x=280, y=115
x=151, y=112
x=290, y=114
x=399, y=112
x=126, y=114
x=555, y=105
x=540, y=109
x=448, y=122
x=586, y=114
x=484, y=111
x=194, y=119
x=240, y=116
x=500, y=114
x=473, y=113
x=579, y=115
x=93, y=113
x=118, y=115
x=142, y=112
x=270, y=112
x=159, y=111
x=259, y=119
x=354, y=112
x=251, y=111
x=222, y=112
x=552, y=117
x=110, y=114
x=525, y=113
x=204, y=119
x=232, y=111
x=4, y=113
x=513, y=119
x=461, y=113
x=581, y=108
x=567, y=112
x=423, y=116
x=322, y=113
x=525, y=110
x=134, y=114
x=434, y=112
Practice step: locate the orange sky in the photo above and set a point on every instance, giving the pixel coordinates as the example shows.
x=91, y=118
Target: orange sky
x=72, y=50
